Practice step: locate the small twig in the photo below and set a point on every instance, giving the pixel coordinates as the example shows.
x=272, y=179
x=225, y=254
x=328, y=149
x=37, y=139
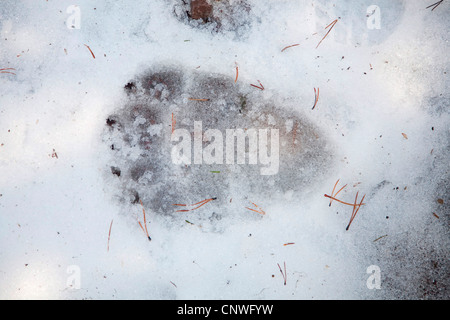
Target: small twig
x=90, y=51
x=316, y=97
x=109, y=234
x=435, y=5
x=294, y=45
x=289, y=243
x=237, y=74
x=332, y=25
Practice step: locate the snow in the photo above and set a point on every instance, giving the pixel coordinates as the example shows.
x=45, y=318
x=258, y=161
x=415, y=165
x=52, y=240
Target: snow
x=58, y=195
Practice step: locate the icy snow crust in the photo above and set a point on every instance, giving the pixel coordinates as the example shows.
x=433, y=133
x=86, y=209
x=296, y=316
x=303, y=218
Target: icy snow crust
x=62, y=111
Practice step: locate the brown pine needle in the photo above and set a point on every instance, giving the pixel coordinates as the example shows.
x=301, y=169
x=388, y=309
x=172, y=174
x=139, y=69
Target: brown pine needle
x=261, y=86
x=294, y=45
x=380, y=238
x=332, y=25
x=141, y=226
x=145, y=221
x=335, y=194
x=5, y=70
x=316, y=98
x=332, y=192
x=349, y=204
x=283, y=274
x=195, y=99
x=435, y=5
x=339, y=191
x=90, y=51
x=289, y=243
x=355, y=210
x=109, y=234
x=173, y=122
x=201, y=203
x=237, y=74
x=260, y=211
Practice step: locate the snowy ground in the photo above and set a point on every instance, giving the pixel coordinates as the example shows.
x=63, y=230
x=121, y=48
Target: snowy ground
x=380, y=125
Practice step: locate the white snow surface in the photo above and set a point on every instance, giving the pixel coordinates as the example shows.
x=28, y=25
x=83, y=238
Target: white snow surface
x=383, y=109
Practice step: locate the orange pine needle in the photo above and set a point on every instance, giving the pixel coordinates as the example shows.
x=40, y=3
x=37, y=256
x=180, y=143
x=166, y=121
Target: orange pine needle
x=289, y=243
x=109, y=234
x=335, y=194
x=355, y=210
x=237, y=74
x=202, y=203
x=332, y=23
x=5, y=70
x=294, y=45
x=261, y=86
x=349, y=204
x=316, y=97
x=283, y=274
x=90, y=51
x=145, y=221
x=260, y=211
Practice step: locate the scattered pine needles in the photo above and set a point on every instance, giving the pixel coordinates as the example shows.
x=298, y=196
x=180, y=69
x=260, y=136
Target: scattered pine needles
x=356, y=206
x=198, y=205
x=6, y=70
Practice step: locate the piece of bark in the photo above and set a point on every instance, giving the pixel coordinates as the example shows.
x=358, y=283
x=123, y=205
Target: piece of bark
x=201, y=9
